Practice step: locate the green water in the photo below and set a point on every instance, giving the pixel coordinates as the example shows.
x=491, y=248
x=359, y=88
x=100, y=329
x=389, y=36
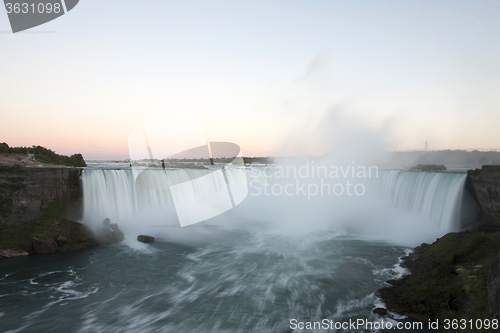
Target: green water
x=249, y=280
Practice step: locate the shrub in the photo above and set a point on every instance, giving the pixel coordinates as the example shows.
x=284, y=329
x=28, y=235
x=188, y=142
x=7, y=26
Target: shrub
x=45, y=155
x=4, y=148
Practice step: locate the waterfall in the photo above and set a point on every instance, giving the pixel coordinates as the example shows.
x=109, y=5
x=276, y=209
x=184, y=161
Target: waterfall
x=114, y=194
x=435, y=195
x=186, y=196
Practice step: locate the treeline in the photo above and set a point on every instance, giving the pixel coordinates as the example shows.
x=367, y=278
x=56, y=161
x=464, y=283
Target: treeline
x=43, y=154
x=429, y=167
x=263, y=160
x=447, y=157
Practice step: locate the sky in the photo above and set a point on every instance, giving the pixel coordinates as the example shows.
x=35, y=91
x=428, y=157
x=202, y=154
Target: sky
x=266, y=75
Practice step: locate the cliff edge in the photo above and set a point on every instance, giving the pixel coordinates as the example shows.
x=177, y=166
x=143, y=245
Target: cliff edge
x=25, y=192
x=449, y=278
x=484, y=185
x=457, y=276
x=38, y=207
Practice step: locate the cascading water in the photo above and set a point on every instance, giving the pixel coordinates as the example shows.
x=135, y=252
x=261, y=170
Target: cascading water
x=155, y=195
x=272, y=258
x=115, y=194
x=437, y=196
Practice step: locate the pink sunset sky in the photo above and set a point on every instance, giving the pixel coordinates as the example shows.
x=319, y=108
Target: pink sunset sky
x=265, y=75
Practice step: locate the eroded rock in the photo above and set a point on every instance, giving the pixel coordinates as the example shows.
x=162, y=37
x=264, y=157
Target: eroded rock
x=493, y=287
x=109, y=233
x=145, y=239
x=13, y=253
x=43, y=245
x=380, y=311
x=61, y=240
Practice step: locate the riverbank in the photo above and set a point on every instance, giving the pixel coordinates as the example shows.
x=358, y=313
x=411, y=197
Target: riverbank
x=457, y=276
x=38, y=209
x=25, y=192
x=46, y=233
x=449, y=278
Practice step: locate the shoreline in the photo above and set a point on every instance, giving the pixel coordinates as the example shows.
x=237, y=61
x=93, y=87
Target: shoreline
x=448, y=279
x=457, y=276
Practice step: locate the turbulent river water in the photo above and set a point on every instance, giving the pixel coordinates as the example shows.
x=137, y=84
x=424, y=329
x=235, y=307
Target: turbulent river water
x=254, y=268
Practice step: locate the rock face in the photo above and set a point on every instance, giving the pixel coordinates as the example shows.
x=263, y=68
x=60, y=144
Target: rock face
x=109, y=233
x=37, y=207
x=43, y=245
x=13, y=253
x=61, y=240
x=46, y=234
x=484, y=185
x=24, y=192
x=380, y=311
x=458, y=276
x=493, y=287
x=145, y=239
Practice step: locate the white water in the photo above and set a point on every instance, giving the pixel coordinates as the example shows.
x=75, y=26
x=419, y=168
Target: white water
x=399, y=206
x=271, y=258
x=159, y=197
x=437, y=196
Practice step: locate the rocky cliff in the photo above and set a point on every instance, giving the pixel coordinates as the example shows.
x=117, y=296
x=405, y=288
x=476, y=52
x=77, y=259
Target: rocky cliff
x=484, y=185
x=37, y=209
x=25, y=192
x=453, y=278
x=458, y=276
